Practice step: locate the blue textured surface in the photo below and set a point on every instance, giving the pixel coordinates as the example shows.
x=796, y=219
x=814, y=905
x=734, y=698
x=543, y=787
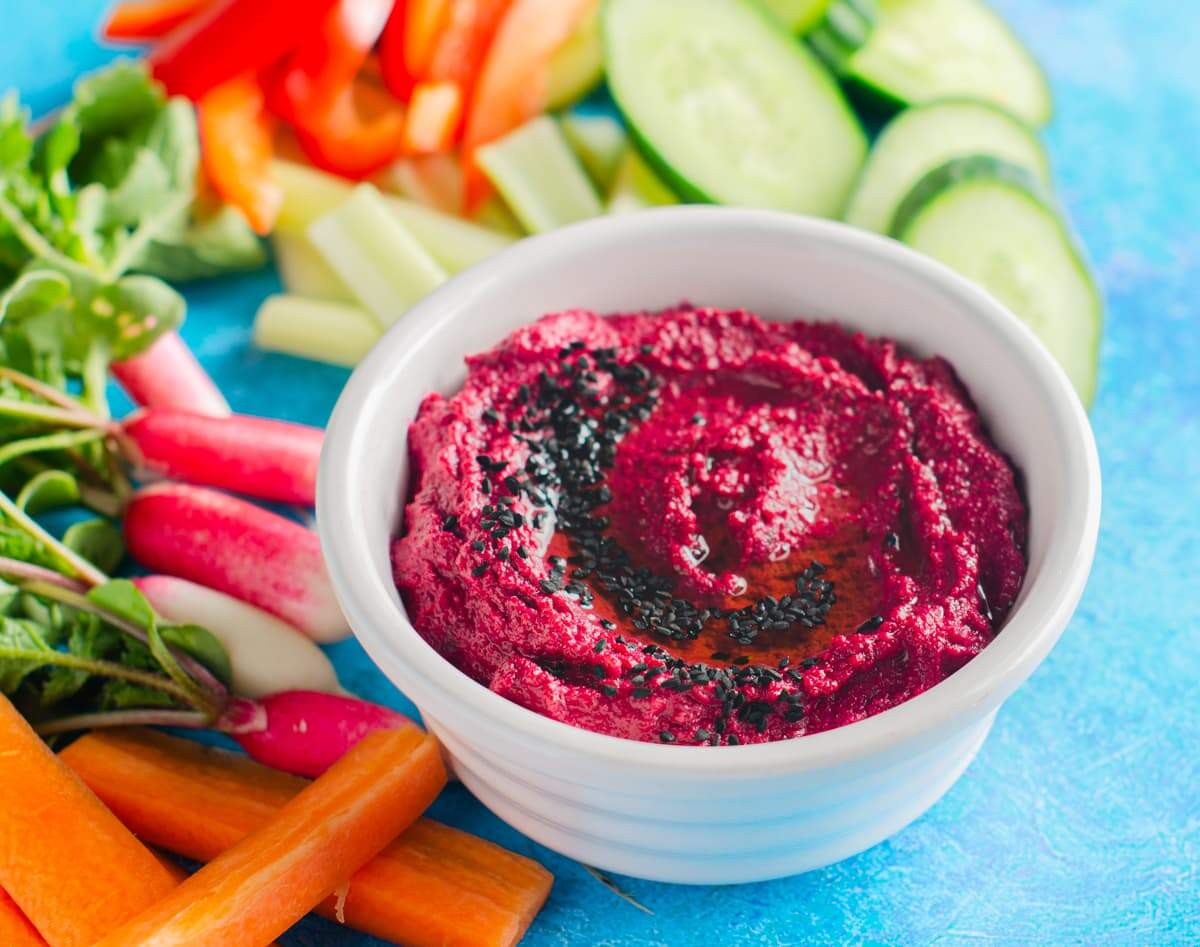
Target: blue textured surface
x=1080, y=820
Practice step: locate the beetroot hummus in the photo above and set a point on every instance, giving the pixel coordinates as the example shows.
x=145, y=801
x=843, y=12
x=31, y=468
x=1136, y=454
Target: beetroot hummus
x=699, y=527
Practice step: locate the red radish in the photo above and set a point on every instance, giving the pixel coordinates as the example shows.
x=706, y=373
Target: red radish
x=167, y=375
x=260, y=457
x=267, y=655
x=305, y=732
x=238, y=548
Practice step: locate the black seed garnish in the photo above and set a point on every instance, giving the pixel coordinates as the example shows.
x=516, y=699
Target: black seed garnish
x=871, y=624
x=599, y=671
x=478, y=545
x=479, y=569
x=741, y=659
x=502, y=554
x=522, y=552
x=549, y=587
x=450, y=523
x=667, y=736
x=891, y=540
x=609, y=690
x=732, y=740
x=610, y=625
x=598, y=646
x=809, y=663
x=641, y=692
x=702, y=734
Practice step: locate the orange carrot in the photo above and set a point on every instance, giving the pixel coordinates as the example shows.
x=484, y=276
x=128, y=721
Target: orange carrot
x=261, y=886
x=160, y=785
x=432, y=119
x=15, y=929
x=72, y=867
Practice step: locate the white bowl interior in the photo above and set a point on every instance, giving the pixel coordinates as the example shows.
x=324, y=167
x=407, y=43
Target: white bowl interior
x=782, y=268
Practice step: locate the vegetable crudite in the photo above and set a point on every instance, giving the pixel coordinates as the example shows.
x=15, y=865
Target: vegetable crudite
x=486, y=896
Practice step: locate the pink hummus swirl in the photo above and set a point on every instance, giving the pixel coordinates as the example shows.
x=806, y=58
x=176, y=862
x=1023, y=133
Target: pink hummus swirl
x=700, y=527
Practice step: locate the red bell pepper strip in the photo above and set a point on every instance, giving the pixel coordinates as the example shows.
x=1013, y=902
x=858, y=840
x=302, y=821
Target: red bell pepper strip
x=231, y=38
x=135, y=20
x=346, y=142
x=236, y=149
x=423, y=22
x=511, y=88
x=434, y=113
x=393, y=68
x=312, y=78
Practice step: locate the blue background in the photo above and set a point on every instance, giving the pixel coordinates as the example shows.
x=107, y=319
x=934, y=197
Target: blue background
x=1079, y=822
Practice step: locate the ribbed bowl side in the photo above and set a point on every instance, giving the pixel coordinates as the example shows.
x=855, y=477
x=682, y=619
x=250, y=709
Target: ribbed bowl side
x=747, y=830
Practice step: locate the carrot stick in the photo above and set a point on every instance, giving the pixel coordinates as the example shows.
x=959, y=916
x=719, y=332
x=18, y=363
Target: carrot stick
x=261, y=886
x=15, y=929
x=197, y=802
x=72, y=867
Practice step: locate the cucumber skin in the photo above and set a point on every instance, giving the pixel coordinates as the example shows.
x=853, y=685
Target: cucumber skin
x=955, y=172
x=935, y=103
x=880, y=95
x=689, y=192
x=836, y=42
x=960, y=171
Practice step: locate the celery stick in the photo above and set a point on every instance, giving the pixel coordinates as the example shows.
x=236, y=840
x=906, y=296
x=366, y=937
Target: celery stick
x=434, y=180
x=455, y=243
x=599, y=143
x=304, y=272
x=494, y=214
x=540, y=179
x=322, y=330
x=636, y=186
x=375, y=255
x=307, y=194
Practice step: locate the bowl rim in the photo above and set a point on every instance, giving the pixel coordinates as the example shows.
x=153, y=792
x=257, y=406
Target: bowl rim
x=371, y=607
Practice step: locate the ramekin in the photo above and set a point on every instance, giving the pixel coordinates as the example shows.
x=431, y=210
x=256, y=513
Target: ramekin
x=711, y=814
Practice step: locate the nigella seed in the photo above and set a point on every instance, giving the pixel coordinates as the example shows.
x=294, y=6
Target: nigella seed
x=450, y=523
x=479, y=569
x=502, y=554
x=599, y=671
x=702, y=734
x=871, y=624
x=667, y=736
x=478, y=545
x=732, y=740
x=609, y=690
x=598, y=646
x=522, y=552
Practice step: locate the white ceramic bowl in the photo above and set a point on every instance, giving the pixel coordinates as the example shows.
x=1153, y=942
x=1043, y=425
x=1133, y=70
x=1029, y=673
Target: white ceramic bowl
x=700, y=814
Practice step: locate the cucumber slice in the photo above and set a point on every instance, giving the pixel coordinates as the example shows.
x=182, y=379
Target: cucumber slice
x=922, y=50
x=599, y=142
x=322, y=330
x=987, y=220
x=728, y=108
x=578, y=65
x=923, y=137
x=636, y=186
x=375, y=255
x=798, y=16
x=538, y=176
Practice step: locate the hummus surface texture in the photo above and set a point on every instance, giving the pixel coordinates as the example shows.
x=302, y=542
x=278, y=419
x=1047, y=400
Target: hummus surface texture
x=699, y=527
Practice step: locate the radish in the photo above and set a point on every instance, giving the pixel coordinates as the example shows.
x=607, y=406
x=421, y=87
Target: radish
x=267, y=655
x=304, y=732
x=167, y=375
x=260, y=457
x=238, y=548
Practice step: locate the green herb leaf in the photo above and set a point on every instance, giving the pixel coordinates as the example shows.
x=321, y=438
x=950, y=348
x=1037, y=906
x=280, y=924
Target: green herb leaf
x=220, y=243
x=9, y=595
x=113, y=99
x=48, y=490
x=122, y=598
x=98, y=541
x=202, y=645
x=23, y=650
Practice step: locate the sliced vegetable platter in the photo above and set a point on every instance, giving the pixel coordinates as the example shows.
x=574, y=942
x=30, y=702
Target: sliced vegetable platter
x=371, y=149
